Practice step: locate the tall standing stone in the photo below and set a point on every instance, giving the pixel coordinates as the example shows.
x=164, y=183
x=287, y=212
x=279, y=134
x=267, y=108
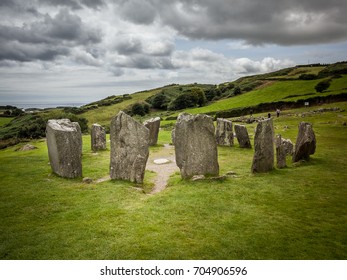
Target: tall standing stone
x=263, y=160
x=305, y=142
x=98, y=138
x=224, y=132
x=64, y=142
x=153, y=125
x=242, y=136
x=195, y=145
x=129, y=148
x=280, y=152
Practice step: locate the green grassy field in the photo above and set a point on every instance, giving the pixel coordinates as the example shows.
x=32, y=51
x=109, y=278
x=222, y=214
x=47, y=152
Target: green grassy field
x=4, y=121
x=276, y=91
x=294, y=213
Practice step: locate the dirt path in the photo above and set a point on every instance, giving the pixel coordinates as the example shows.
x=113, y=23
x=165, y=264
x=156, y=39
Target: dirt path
x=163, y=171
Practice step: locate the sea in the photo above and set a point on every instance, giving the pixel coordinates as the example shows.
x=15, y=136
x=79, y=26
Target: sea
x=41, y=105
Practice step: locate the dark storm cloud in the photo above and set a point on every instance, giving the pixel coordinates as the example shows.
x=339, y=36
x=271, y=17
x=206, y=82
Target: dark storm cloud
x=45, y=39
x=281, y=22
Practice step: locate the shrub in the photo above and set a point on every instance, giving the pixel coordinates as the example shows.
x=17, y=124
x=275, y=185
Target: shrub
x=322, y=86
x=138, y=108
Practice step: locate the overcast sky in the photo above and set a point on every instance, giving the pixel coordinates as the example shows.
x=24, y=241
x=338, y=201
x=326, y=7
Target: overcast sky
x=79, y=51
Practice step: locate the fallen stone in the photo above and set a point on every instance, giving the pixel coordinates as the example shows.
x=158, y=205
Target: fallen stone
x=129, y=148
x=27, y=147
x=263, y=159
x=242, y=136
x=153, y=125
x=160, y=161
x=64, y=142
x=198, y=178
x=87, y=180
x=224, y=132
x=305, y=142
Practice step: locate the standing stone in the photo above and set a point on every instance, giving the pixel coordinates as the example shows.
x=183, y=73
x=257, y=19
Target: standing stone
x=242, y=136
x=305, y=142
x=263, y=160
x=280, y=153
x=129, y=148
x=64, y=142
x=98, y=137
x=173, y=137
x=288, y=146
x=153, y=126
x=224, y=132
x=195, y=145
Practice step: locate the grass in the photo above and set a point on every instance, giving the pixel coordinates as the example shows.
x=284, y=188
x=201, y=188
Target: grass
x=276, y=91
x=294, y=213
x=4, y=121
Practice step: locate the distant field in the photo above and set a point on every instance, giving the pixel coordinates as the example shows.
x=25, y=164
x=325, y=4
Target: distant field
x=277, y=91
x=294, y=213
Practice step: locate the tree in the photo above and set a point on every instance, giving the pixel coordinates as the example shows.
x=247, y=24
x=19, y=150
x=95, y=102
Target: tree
x=200, y=96
x=160, y=101
x=237, y=90
x=322, y=86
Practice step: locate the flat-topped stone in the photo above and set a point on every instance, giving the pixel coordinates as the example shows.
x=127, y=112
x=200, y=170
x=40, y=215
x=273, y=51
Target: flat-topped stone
x=64, y=143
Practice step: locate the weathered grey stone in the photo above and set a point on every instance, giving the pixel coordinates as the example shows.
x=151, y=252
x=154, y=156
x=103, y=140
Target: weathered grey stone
x=263, y=160
x=153, y=125
x=242, y=136
x=288, y=146
x=224, y=132
x=129, y=148
x=64, y=142
x=195, y=145
x=98, y=138
x=280, y=153
x=173, y=137
x=305, y=142
x=27, y=147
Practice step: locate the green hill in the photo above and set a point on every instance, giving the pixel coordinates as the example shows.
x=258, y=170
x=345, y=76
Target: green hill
x=295, y=84
x=286, y=88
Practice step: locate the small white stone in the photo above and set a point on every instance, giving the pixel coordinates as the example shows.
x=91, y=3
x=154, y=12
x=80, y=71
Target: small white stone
x=161, y=161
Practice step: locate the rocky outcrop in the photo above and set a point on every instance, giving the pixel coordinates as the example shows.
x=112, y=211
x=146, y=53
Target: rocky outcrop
x=195, y=145
x=129, y=148
x=64, y=142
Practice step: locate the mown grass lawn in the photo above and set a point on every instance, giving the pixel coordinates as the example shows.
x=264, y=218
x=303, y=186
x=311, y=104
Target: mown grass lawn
x=294, y=213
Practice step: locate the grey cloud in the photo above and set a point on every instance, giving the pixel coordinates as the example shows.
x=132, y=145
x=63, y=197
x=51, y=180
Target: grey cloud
x=46, y=39
x=138, y=11
x=74, y=4
x=281, y=22
x=141, y=61
x=28, y=52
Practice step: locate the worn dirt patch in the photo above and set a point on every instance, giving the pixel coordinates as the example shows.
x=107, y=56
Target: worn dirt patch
x=163, y=171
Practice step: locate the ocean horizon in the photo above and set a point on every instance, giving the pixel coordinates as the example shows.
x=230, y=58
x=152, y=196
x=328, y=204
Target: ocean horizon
x=42, y=105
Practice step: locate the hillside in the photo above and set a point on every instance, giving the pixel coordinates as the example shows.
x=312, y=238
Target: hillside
x=286, y=88
x=295, y=84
